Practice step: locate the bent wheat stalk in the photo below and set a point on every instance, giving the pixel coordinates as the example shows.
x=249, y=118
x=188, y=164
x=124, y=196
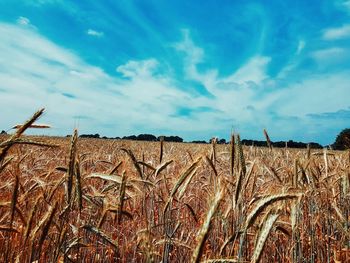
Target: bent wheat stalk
x=262, y=204
x=34, y=126
x=202, y=235
x=268, y=141
x=134, y=161
x=265, y=230
x=180, y=181
x=6, y=145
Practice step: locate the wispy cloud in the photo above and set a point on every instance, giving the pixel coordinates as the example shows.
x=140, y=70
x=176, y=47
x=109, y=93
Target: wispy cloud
x=332, y=57
x=56, y=75
x=314, y=95
x=328, y=53
x=340, y=114
x=144, y=68
x=337, y=33
x=94, y=33
x=23, y=21
x=145, y=101
x=301, y=46
x=193, y=54
x=346, y=5
x=253, y=71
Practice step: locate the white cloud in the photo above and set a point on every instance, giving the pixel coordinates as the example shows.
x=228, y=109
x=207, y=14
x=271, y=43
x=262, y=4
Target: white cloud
x=233, y=94
x=253, y=71
x=333, y=56
x=327, y=53
x=291, y=104
x=95, y=33
x=193, y=55
x=23, y=21
x=144, y=68
x=314, y=95
x=337, y=33
x=35, y=72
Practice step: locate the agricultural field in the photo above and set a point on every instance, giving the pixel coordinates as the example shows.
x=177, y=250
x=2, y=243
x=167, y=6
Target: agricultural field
x=95, y=200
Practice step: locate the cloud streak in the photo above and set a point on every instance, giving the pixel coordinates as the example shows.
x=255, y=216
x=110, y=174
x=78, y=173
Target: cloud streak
x=337, y=33
x=23, y=21
x=94, y=33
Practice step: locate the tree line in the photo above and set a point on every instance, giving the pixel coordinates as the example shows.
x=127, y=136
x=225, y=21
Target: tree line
x=153, y=138
x=342, y=141
x=140, y=137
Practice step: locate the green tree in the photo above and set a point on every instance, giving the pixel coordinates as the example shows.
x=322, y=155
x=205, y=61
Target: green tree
x=342, y=141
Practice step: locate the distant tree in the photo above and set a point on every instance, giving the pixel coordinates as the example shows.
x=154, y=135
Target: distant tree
x=222, y=141
x=254, y=142
x=90, y=136
x=171, y=139
x=3, y=132
x=314, y=145
x=131, y=137
x=218, y=141
x=147, y=137
x=198, y=142
x=282, y=144
x=342, y=141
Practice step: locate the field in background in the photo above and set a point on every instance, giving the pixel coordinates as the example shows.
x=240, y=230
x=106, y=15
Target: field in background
x=93, y=200
x=287, y=205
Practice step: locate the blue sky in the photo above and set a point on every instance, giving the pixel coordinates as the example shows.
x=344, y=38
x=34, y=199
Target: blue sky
x=196, y=69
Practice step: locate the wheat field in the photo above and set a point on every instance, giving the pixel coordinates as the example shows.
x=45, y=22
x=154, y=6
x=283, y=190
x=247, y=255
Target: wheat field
x=95, y=200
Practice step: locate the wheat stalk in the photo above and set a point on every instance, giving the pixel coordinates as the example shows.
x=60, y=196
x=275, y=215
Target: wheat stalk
x=265, y=230
x=202, y=234
x=240, y=154
x=6, y=145
x=78, y=185
x=121, y=197
x=268, y=141
x=30, y=220
x=35, y=126
x=161, y=149
x=263, y=203
x=181, y=179
x=232, y=154
x=134, y=161
x=71, y=165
